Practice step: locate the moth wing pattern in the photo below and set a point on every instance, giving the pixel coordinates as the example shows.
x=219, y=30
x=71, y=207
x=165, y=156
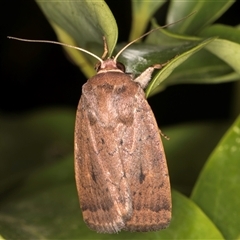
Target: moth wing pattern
x=104, y=192
x=120, y=165
x=148, y=173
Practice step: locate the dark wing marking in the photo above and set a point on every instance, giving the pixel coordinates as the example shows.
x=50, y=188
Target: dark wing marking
x=147, y=173
x=120, y=165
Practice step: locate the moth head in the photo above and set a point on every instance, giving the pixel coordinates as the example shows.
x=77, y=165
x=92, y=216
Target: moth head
x=109, y=65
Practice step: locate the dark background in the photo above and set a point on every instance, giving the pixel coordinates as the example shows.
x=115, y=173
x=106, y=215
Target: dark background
x=35, y=76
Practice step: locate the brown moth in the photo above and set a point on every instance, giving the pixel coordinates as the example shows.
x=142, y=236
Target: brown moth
x=120, y=164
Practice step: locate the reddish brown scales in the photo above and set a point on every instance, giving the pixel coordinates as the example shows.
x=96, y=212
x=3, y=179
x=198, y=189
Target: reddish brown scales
x=120, y=165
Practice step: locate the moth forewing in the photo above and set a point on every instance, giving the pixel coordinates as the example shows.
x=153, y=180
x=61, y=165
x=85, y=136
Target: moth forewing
x=104, y=192
x=149, y=179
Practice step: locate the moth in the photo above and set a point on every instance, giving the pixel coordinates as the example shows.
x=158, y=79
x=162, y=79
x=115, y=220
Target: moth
x=120, y=165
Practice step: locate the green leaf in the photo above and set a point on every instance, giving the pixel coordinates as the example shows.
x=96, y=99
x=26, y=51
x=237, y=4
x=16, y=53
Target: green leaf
x=138, y=57
x=142, y=11
x=227, y=51
x=43, y=206
x=188, y=222
x=32, y=141
x=94, y=20
x=184, y=51
x=203, y=67
x=227, y=47
x=217, y=189
x=187, y=150
x=222, y=31
x=206, y=13
x=82, y=23
x=159, y=47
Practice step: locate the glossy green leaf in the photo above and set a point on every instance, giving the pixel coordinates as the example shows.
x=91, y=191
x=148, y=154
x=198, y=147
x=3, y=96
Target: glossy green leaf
x=82, y=23
x=203, y=67
x=222, y=31
x=206, y=12
x=68, y=24
x=160, y=47
x=167, y=70
x=138, y=57
x=189, y=222
x=142, y=12
x=227, y=51
x=227, y=47
x=217, y=189
x=165, y=37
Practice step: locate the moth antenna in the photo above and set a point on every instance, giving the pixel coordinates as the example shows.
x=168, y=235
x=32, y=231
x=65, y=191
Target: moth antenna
x=147, y=33
x=58, y=43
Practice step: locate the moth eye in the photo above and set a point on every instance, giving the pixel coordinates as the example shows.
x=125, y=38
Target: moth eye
x=97, y=66
x=121, y=67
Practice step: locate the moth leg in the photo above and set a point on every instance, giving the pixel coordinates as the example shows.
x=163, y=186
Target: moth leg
x=163, y=135
x=145, y=76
